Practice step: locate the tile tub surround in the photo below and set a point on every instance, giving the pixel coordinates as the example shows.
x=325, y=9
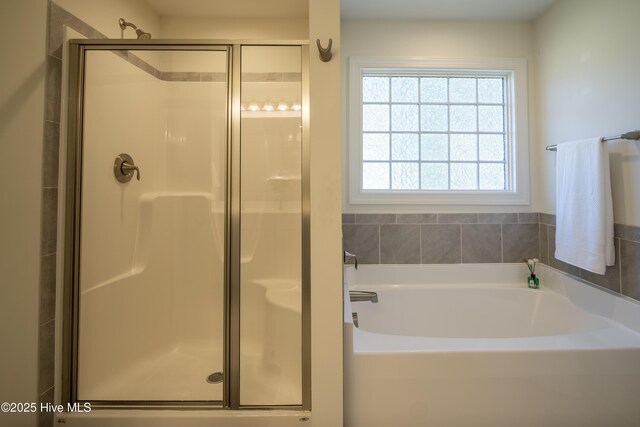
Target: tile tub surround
x=451, y=238
x=454, y=238
x=622, y=278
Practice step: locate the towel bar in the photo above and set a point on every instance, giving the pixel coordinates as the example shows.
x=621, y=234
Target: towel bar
x=631, y=136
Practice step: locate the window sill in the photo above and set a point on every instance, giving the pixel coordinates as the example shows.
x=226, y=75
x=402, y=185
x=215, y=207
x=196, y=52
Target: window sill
x=439, y=198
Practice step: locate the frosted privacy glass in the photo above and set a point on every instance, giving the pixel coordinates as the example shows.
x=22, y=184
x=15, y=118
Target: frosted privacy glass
x=462, y=90
x=433, y=89
x=491, y=118
x=491, y=147
x=464, y=146
x=490, y=91
x=405, y=176
x=405, y=146
x=434, y=118
x=375, y=146
x=375, y=89
x=464, y=176
x=492, y=176
x=435, y=176
x=464, y=118
x=450, y=126
x=404, y=89
x=375, y=176
x=375, y=117
x=404, y=117
x=435, y=146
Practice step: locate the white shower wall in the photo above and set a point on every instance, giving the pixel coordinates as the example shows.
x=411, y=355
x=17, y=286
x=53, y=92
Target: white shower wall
x=122, y=115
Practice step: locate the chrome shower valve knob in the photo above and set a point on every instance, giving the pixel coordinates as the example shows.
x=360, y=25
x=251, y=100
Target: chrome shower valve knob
x=124, y=167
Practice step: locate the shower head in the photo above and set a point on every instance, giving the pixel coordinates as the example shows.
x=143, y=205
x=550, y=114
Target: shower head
x=141, y=34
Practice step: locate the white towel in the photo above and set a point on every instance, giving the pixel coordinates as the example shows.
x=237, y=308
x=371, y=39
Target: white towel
x=584, y=208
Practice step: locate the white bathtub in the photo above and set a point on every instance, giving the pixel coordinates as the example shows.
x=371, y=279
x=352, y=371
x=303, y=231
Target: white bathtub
x=471, y=345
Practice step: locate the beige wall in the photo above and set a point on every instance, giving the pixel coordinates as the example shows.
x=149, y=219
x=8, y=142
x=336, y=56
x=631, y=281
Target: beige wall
x=589, y=85
x=22, y=36
x=229, y=28
x=326, y=268
x=445, y=39
x=103, y=15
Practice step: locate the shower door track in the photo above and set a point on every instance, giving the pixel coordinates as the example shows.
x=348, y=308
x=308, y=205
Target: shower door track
x=72, y=223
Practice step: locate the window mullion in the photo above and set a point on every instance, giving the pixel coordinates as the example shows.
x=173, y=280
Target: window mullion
x=477, y=137
x=419, y=135
x=390, y=143
x=448, y=133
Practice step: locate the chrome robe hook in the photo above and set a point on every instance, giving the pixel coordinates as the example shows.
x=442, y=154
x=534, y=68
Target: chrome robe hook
x=325, y=54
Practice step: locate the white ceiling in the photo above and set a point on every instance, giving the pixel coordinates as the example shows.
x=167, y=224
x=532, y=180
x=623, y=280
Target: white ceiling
x=355, y=9
x=443, y=9
x=231, y=8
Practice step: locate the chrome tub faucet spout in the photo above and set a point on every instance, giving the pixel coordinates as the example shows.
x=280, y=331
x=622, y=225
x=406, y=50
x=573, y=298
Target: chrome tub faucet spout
x=357, y=296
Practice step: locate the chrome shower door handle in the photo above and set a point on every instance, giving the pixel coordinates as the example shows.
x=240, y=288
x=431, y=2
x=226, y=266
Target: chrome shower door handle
x=123, y=168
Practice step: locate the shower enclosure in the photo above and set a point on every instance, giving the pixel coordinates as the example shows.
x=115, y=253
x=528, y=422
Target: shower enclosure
x=187, y=225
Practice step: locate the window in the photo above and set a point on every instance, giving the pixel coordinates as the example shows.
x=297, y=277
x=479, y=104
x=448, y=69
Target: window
x=438, y=131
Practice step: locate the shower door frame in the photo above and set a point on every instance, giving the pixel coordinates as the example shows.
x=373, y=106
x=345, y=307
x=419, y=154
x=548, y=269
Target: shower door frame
x=231, y=304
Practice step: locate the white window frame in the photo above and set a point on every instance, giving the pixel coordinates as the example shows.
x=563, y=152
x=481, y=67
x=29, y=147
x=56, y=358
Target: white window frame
x=516, y=130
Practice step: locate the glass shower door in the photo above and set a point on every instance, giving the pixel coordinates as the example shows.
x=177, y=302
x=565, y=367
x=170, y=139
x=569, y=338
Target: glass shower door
x=271, y=226
x=153, y=208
